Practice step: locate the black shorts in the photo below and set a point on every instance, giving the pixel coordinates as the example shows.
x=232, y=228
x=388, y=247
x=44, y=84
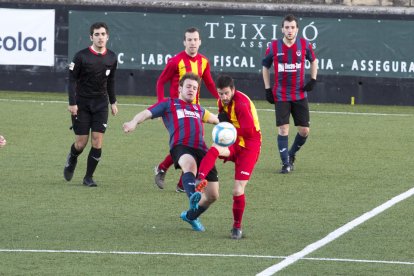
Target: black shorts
x=198, y=154
x=298, y=109
x=92, y=115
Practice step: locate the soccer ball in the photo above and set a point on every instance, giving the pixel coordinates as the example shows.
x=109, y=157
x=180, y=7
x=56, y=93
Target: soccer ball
x=224, y=134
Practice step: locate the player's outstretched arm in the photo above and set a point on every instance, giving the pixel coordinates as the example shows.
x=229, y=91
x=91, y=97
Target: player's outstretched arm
x=139, y=118
x=212, y=119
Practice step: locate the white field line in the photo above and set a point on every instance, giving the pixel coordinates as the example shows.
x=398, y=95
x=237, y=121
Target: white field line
x=214, y=107
x=336, y=234
x=193, y=254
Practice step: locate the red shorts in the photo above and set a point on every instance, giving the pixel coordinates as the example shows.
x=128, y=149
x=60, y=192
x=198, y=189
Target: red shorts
x=244, y=158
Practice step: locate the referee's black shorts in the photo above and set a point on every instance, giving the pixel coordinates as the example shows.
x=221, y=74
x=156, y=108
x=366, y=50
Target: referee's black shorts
x=92, y=115
x=198, y=154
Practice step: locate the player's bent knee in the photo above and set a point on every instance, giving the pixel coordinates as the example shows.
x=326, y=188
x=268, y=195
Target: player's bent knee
x=283, y=130
x=304, y=131
x=80, y=144
x=211, y=192
x=211, y=198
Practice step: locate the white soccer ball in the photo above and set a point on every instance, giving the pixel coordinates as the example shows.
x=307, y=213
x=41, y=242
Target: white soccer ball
x=224, y=134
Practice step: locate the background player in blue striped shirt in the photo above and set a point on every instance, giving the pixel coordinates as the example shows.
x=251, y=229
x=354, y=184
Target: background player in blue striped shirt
x=288, y=56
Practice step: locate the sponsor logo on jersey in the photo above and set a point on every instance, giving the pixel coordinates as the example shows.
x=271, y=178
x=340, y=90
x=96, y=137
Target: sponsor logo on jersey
x=288, y=67
x=107, y=72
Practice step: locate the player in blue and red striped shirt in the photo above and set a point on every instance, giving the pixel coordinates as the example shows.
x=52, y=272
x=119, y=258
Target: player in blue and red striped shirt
x=184, y=122
x=289, y=93
x=189, y=60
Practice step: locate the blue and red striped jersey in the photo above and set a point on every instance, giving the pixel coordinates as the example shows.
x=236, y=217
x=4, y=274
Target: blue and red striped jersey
x=289, y=65
x=184, y=122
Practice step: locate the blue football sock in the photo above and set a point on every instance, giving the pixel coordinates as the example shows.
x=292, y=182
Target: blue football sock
x=283, y=143
x=297, y=144
x=188, y=179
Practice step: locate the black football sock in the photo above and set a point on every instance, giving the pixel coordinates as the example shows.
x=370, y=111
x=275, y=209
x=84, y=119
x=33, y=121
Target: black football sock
x=93, y=159
x=74, y=153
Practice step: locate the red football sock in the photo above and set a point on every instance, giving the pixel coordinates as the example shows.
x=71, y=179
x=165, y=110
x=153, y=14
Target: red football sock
x=239, y=202
x=208, y=162
x=166, y=163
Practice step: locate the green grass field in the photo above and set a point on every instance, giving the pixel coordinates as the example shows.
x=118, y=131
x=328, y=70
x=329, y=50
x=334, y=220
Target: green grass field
x=356, y=158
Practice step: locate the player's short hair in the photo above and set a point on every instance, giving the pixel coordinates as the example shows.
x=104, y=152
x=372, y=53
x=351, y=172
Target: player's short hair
x=290, y=18
x=98, y=25
x=189, y=76
x=224, y=81
x=192, y=30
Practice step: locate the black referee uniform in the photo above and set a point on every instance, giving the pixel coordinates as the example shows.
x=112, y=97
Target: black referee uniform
x=91, y=88
x=91, y=84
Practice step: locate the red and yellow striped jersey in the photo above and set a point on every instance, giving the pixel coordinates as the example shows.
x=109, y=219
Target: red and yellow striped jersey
x=181, y=64
x=243, y=115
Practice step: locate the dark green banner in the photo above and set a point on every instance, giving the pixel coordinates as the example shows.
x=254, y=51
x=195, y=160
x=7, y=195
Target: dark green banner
x=352, y=47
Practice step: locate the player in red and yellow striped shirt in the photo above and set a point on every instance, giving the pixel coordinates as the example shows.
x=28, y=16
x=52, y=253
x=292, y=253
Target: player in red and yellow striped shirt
x=236, y=108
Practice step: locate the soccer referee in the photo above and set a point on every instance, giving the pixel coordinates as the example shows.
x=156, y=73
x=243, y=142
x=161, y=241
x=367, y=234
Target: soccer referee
x=91, y=89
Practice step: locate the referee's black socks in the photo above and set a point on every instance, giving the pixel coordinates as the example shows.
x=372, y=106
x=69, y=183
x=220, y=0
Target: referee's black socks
x=74, y=153
x=93, y=159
